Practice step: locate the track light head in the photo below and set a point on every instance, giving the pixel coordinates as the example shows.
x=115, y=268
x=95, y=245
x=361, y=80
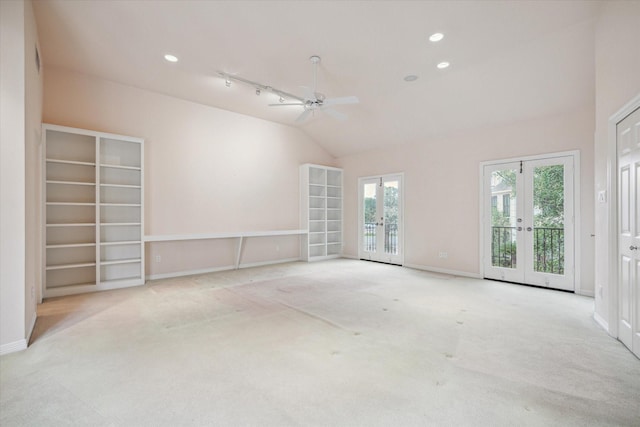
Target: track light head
x=257, y=91
x=227, y=82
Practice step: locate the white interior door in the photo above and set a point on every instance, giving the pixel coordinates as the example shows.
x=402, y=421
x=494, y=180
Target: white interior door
x=628, y=145
x=529, y=222
x=380, y=219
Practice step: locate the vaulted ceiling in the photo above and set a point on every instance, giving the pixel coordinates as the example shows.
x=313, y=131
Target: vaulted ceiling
x=510, y=60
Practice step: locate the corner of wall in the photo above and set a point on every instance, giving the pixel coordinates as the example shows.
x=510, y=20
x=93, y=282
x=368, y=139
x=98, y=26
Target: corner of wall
x=617, y=63
x=33, y=178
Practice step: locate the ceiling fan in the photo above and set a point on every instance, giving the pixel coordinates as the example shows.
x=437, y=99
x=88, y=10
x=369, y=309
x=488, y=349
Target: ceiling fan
x=316, y=101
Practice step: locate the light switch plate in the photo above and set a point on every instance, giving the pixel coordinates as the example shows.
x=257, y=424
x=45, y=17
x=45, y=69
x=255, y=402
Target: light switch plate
x=602, y=196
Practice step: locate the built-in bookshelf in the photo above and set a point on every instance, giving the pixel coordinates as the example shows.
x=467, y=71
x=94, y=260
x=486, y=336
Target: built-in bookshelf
x=321, y=211
x=93, y=211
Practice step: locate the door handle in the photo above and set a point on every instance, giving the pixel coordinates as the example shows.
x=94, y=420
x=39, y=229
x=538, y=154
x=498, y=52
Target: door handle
x=529, y=229
x=519, y=229
x=633, y=248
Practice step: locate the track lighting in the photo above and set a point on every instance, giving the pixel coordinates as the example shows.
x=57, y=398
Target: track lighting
x=309, y=102
x=259, y=87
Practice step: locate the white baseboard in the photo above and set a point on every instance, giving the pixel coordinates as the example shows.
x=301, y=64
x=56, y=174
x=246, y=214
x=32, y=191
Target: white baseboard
x=585, y=293
x=444, y=271
x=12, y=347
x=260, y=264
x=349, y=256
x=189, y=272
x=217, y=269
x=19, y=345
x=600, y=321
x=83, y=289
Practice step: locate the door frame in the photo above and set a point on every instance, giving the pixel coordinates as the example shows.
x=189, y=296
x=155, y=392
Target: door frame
x=575, y=154
x=612, y=190
x=361, y=212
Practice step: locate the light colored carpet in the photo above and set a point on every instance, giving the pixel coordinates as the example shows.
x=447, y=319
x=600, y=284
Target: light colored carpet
x=338, y=343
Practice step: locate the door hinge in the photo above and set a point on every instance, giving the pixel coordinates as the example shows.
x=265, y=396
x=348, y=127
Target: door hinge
x=520, y=166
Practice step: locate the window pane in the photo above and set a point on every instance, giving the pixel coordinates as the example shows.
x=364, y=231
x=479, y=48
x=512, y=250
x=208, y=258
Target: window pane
x=369, y=231
x=503, y=221
x=391, y=213
x=548, y=219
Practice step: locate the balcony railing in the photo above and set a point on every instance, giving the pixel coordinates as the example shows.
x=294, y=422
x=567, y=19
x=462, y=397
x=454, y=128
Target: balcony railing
x=503, y=247
x=548, y=248
x=390, y=237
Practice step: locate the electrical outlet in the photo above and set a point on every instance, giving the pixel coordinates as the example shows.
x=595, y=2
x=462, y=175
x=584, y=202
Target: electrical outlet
x=443, y=255
x=158, y=259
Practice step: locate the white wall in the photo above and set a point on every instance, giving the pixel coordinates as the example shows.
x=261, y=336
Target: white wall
x=21, y=95
x=442, y=187
x=206, y=169
x=617, y=62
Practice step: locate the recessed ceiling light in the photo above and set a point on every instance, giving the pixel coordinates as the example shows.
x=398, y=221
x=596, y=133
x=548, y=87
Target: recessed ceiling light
x=443, y=64
x=410, y=78
x=171, y=58
x=436, y=37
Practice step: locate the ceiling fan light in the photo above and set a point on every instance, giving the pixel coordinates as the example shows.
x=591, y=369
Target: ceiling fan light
x=170, y=58
x=442, y=65
x=436, y=37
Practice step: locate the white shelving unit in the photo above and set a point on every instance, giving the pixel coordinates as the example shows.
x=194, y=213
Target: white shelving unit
x=321, y=211
x=93, y=211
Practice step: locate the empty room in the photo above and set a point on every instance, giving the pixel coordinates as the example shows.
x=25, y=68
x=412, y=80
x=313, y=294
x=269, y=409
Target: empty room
x=319, y=213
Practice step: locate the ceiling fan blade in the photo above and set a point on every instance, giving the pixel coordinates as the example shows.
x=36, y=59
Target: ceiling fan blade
x=335, y=114
x=341, y=101
x=302, y=117
x=287, y=104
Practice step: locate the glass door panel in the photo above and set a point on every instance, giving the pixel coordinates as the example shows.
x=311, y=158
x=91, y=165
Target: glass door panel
x=370, y=225
x=381, y=219
x=391, y=216
x=548, y=219
x=504, y=250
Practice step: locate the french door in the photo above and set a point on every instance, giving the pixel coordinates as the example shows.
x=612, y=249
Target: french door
x=528, y=222
x=628, y=146
x=380, y=219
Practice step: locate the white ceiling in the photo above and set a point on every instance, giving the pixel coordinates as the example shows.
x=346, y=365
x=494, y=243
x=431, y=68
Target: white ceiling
x=510, y=60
